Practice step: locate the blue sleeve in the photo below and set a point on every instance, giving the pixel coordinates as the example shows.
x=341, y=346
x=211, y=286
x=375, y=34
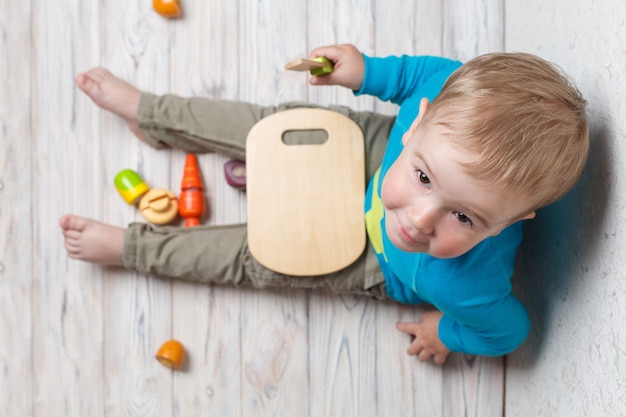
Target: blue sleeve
x=397, y=78
x=495, y=329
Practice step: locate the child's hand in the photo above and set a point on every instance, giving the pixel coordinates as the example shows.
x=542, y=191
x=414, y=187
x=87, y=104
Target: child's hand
x=427, y=343
x=348, y=64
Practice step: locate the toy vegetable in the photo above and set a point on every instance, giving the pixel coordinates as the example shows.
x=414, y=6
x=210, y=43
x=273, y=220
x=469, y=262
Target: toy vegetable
x=130, y=185
x=191, y=201
x=235, y=173
x=159, y=206
x=167, y=8
x=171, y=354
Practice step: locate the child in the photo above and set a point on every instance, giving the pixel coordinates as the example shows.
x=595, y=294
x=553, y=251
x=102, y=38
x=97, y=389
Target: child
x=449, y=183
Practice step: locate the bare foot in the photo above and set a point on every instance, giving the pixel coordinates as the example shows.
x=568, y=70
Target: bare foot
x=92, y=241
x=113, y=94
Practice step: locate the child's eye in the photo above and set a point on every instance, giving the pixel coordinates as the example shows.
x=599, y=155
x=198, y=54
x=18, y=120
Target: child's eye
x=423, y=177
x=461, y=217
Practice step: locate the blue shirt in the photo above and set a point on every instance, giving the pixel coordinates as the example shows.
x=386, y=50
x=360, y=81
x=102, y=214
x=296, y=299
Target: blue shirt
x=473, y=291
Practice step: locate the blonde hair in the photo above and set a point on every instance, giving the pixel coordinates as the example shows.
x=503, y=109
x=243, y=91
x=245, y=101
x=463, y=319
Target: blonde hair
x=522, y=118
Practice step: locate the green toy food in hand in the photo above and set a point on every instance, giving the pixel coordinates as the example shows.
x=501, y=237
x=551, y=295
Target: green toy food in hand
x=317, y=66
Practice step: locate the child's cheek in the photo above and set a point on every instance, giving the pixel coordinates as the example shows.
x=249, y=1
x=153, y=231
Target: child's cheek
x=388, y=192
x=450, y=246
x=394, y=186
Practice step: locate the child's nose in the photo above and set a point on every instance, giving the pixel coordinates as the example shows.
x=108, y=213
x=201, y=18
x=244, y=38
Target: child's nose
x=423, y=219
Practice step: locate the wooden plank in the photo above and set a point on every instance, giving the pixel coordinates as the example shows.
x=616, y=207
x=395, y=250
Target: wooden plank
x=16, y=251
x=571, y=263
x=207, y=318
x=67, y=303
x=407, y=386
x=341, y=331
x=271, y=35
x=342, y=359
x=274, y=353
x=472, y=28
x=274, y=325
x=135, y=47
x=423, y=34
x=473, y=386
x=336, y=22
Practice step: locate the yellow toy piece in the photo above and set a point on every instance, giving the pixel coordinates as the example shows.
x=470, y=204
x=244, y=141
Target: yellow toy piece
x=130, y=185
x=159, y=206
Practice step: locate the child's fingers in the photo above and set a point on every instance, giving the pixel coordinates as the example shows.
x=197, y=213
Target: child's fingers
x=411, y=329
x=415, y=348
x=407, y=327
x=440, y=358
x=317, y=80
x=424, y=355
x=331, y=52
x=326, y=79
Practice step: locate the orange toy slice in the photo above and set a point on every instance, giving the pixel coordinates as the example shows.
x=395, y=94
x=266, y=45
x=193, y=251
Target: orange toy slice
x=167, y=8
x=171, y=354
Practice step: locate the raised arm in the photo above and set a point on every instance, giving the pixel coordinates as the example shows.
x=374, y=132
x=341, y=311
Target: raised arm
x=392, y=78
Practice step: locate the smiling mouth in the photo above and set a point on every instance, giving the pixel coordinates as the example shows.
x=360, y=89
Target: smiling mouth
x=407, y=237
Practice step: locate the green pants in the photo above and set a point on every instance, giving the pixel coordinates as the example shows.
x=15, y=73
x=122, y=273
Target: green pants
x=220, y=254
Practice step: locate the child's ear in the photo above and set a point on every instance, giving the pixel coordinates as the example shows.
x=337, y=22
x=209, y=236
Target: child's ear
x=424, y=105
x=529, y=216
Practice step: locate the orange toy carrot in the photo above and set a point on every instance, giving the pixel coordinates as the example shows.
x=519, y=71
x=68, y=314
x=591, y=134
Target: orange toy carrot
x=191, y=201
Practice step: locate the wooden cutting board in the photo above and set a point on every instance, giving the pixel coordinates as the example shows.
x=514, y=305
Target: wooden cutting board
x=305, y=201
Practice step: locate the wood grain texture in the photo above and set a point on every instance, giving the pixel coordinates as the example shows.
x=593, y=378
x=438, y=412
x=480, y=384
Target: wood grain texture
x=336, y=22
x=343, y=356
x=274, y=327
x=16, y=211
x=473, y=386
x=135, y=46
x=67, y=297
x=208, y=319
x=472, y=28
x=574, y=362
x=81, y=338
x=343, y=353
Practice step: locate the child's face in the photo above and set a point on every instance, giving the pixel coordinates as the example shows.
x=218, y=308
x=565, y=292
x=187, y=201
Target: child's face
x=433, y=206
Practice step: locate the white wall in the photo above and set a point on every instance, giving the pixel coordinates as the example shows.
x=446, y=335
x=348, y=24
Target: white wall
x=572, y=266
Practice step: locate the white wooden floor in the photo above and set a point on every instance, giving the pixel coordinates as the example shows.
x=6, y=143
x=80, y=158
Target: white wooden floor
x=79, y=340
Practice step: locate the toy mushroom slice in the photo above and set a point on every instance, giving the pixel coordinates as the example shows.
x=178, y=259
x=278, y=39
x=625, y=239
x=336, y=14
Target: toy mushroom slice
x=159, y=206
x=171, y=354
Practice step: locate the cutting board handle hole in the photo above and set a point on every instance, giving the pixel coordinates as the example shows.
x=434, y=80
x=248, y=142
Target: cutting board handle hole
x=305, y=137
